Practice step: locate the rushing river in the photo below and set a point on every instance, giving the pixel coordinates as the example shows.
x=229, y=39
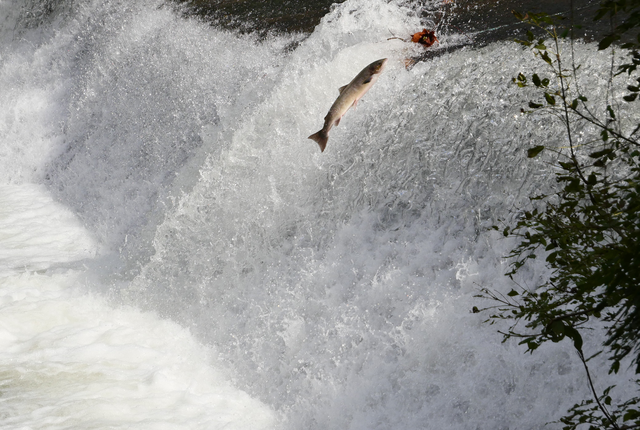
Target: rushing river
x=176, y=254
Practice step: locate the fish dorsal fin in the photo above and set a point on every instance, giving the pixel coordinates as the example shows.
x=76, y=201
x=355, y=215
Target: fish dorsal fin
x=341, y=89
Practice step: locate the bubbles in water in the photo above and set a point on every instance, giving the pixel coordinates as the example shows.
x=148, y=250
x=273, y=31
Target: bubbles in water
x=336, y=287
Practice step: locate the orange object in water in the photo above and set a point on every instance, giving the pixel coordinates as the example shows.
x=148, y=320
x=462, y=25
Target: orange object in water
x=425, y=37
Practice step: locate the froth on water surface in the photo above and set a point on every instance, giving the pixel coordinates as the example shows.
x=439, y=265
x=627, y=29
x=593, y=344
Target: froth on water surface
x=315, y=291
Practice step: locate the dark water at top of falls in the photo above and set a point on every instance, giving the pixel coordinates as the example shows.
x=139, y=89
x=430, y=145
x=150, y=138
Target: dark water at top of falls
x=483, y=21
x=491, y=19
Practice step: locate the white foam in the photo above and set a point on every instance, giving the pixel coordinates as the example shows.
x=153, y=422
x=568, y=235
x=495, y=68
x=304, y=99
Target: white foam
x=68, y=360
x=335, y=287
x=36, y=232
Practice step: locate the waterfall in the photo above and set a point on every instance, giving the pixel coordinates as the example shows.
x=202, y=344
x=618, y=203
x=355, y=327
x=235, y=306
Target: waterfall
x=175, y=253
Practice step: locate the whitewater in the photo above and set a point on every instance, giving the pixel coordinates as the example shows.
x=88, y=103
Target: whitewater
x=176, y=254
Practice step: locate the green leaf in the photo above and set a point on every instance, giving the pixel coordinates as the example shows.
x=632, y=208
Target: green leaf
x=612, y=114
x=518, y=15
x=630, y=97
x=533, y=105
x=536, y=80
x=574, y=335
x=558, y=327
x=574, y=186
x=599, y=154
x=567, y=166
x=604, y=43
x=550, y=99
x=513, y=293
x=545, y=57
x=615, y=367
x=521, y=80
x=631, y=414
x=533, y=152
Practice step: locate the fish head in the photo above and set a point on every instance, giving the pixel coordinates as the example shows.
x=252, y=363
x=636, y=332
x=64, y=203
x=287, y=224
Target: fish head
x=377, y=66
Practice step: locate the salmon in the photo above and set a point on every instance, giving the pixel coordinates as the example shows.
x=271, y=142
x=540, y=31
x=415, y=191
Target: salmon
x=349, y=96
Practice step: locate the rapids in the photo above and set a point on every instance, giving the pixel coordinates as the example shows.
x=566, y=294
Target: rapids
x=175, y=253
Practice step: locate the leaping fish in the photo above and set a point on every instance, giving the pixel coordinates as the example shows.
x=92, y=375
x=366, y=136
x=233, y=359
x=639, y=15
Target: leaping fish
x=349, y=96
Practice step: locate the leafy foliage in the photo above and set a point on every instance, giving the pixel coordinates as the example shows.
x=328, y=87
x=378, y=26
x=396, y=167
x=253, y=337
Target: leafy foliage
x=589, y=412
x=588, y=229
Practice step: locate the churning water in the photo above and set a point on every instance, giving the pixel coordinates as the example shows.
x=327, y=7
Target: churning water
x=176, y=254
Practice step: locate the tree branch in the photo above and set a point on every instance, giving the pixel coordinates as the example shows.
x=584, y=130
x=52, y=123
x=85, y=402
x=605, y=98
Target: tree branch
x=595, y=395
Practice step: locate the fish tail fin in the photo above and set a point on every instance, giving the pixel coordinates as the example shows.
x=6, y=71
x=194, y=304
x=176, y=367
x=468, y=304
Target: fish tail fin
x=322, y=138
